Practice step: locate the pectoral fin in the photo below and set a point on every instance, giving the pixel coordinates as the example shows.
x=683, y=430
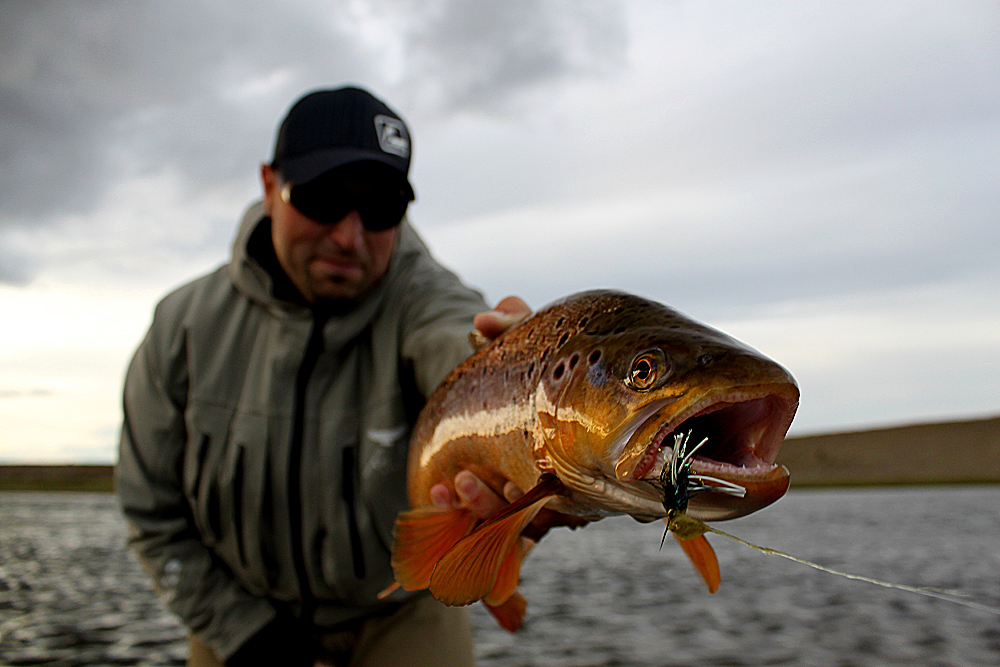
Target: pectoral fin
x=487, y=562
x=422, y=537
x=510, y=573
x=702, y=556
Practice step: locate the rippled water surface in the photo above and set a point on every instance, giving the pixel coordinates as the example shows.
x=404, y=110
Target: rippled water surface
x=606, y=595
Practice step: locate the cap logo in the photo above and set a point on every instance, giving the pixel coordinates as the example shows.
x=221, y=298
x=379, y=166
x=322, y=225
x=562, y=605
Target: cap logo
x=392, y=136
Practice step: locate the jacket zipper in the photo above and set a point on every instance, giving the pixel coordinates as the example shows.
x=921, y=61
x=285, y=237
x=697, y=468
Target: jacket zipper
x=351, y=475
x=314, y=347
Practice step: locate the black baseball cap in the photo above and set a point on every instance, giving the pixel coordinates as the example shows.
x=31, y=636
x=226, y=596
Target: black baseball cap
x=327, y=129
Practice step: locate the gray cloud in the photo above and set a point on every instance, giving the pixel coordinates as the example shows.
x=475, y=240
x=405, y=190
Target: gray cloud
x=91, y=90
x=747, y=163
x=25, y=393
x=476, y=56
x=94, y=93
x=825, y=83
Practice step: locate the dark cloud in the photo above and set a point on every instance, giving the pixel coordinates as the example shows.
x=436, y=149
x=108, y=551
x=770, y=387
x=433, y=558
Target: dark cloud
x=93, y=93
x=475, y=56
x=89, y=91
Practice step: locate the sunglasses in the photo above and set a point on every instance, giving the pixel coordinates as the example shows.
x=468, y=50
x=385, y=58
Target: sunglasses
x=327, y=203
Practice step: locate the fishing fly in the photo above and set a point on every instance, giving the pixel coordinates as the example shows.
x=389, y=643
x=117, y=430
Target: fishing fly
x=678, y=483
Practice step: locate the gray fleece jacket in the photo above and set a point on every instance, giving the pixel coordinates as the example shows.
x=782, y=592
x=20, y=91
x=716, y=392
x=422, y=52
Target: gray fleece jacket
x=263, y=457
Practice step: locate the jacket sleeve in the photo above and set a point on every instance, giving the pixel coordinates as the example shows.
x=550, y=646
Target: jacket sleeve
x=150, y=486
x=437, y=323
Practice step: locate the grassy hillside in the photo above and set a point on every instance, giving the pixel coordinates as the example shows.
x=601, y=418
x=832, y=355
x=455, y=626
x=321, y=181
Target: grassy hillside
x=57, y=478
x=962, y=452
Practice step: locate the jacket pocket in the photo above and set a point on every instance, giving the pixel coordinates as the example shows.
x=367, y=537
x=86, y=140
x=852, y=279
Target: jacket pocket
x=248, y=503
x=205, y=463
x=382, y=474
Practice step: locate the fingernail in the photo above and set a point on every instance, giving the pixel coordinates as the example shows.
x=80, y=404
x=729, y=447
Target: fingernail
x=511, y=492
x=440, y=495
x=465, y=484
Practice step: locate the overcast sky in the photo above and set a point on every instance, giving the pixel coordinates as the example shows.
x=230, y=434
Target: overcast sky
x=821, y=180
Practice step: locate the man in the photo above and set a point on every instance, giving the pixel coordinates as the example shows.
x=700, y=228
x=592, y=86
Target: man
x=267, y=412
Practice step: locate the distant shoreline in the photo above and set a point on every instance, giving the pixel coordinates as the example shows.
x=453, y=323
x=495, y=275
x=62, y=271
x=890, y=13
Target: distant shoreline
x=96, y=478
x=955, y=452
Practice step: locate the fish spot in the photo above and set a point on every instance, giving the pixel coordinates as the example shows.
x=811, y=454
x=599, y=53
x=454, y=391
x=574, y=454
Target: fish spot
x=559, y=370
x=594, y=357
x=620, y=330
x=563, y=339
x=573, y=360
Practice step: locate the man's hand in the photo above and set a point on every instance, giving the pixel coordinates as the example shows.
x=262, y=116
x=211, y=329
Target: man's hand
x=474, y=495
x=506, y=314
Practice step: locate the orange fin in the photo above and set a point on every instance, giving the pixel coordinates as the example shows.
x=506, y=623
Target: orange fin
x=421, y=538
x=473, y=567
x=509, y=575
x=510, y=614
x=702, y=556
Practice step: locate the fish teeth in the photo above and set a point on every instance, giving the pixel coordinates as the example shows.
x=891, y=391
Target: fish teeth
x=664, y=453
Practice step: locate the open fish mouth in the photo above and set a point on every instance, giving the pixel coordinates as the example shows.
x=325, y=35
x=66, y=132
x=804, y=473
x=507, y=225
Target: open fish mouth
x=737, y=438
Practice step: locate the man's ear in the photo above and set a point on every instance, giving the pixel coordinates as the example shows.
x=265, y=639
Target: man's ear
x=269, y=180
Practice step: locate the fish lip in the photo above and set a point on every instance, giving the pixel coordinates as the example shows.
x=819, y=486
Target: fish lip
x=762, y=417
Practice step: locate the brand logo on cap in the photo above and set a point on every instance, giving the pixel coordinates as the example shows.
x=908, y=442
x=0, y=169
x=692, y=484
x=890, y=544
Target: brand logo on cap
x=392, y=136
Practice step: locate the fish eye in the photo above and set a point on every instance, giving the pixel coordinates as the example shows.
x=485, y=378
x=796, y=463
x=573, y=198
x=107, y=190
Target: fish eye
x=647, y=368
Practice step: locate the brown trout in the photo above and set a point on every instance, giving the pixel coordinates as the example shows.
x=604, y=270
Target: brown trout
x=583, y=405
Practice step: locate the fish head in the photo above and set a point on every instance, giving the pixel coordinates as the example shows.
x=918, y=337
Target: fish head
x=618, y=394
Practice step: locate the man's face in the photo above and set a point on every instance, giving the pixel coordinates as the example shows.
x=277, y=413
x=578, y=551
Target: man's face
x=325, y=260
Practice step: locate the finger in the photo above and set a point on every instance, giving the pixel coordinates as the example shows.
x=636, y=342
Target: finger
x=512, y=492
x=506, y=314
x=476, y=496
x=513, y=305
x=440, y=495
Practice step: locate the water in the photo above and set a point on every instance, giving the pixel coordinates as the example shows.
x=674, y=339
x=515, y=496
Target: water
x=70, y=594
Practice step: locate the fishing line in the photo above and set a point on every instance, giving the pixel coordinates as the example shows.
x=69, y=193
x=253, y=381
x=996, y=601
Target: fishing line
x=927, y=591
x=676, y=493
